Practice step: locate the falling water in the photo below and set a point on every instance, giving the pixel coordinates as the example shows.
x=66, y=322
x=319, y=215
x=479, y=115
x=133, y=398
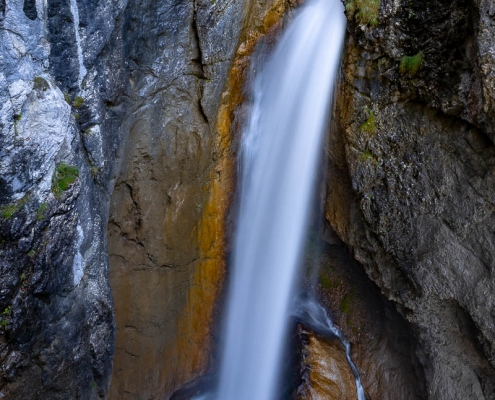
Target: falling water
x=75, y=15
x=280, y=152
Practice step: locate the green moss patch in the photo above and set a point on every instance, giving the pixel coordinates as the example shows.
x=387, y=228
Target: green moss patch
x=410, y=65
x=3, y=317
x=345, y=304
x=369, y=126
x=78, y=102
x=368, y=156
x=41, y=213
x=365, y=12
x=40, y=84
x=8, y=210
x=64, y=176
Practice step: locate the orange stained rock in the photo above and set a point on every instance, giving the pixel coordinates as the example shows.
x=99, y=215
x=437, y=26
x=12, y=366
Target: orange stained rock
x=330, y=377
x=194, y=327
x=167, y=312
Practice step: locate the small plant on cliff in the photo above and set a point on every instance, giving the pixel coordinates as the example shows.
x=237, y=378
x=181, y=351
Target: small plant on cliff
x=40, y=84
x=17, y=118
x=41, y=213
x=4, y=316
x=64, y=176
x=78, y=102
x=364, y=11
x=368, y=156
x=95, y=171
x=410, y=65
x=369, y=126
x=345, y=305
x=8, y=210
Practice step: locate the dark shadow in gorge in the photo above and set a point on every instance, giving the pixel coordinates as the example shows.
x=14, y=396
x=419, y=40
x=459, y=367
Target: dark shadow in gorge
x=383, y=343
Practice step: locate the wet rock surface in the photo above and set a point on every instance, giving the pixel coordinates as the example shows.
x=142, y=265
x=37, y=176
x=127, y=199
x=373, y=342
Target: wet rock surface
x=324, y=368
x=145, y=96
x=383, y=344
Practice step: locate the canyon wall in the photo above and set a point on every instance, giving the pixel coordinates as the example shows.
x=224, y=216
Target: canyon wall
x=59, y=71
x=127, y=114
x=411, y=178
x=167, y=237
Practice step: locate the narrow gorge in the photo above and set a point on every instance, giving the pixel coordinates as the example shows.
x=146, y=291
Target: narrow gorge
x=120, y=127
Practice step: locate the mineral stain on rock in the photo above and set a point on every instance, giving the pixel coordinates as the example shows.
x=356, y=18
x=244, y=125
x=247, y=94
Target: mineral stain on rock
x=409, y=192
x=325, y=371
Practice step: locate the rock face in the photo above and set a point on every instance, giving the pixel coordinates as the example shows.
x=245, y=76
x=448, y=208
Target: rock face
x=383, y=345
x=57, y=328
x=169, y=207
x=326, y=373
x=139, y=96
x=126, y=112
x=412, y=175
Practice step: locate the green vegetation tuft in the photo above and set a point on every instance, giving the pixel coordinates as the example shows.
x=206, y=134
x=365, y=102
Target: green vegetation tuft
x=67, y=98
x=7, y=211
x=364, y=11
x=41, y=213
x=345, y=305
x=326, y=281
x=410, y=65
x=3, y=317
x=78, y=102
x=64, y=176
x=369, y=126
x=95, y=171
x=368, y=156
x=17, y=118
x=40, y=83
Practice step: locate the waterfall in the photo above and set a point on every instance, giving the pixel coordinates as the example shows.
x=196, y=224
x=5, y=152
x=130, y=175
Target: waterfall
x=75, y=15
x=280, y=151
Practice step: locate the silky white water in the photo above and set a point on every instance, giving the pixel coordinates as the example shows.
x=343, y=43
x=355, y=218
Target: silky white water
x=75, y=15
x=280, y=150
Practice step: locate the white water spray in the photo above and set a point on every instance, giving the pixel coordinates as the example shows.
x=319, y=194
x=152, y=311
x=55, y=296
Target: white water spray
x=280, y=152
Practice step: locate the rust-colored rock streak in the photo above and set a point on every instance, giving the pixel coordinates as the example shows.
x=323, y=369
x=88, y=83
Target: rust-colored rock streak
x=327, y=373
x=166, y=230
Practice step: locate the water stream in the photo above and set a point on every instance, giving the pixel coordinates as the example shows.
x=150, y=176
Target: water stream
x=75, y=15
x=280, y=151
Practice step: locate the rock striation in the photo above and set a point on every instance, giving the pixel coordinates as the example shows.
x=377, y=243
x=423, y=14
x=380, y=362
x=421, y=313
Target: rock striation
x=325, y=371
x=118, y=124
